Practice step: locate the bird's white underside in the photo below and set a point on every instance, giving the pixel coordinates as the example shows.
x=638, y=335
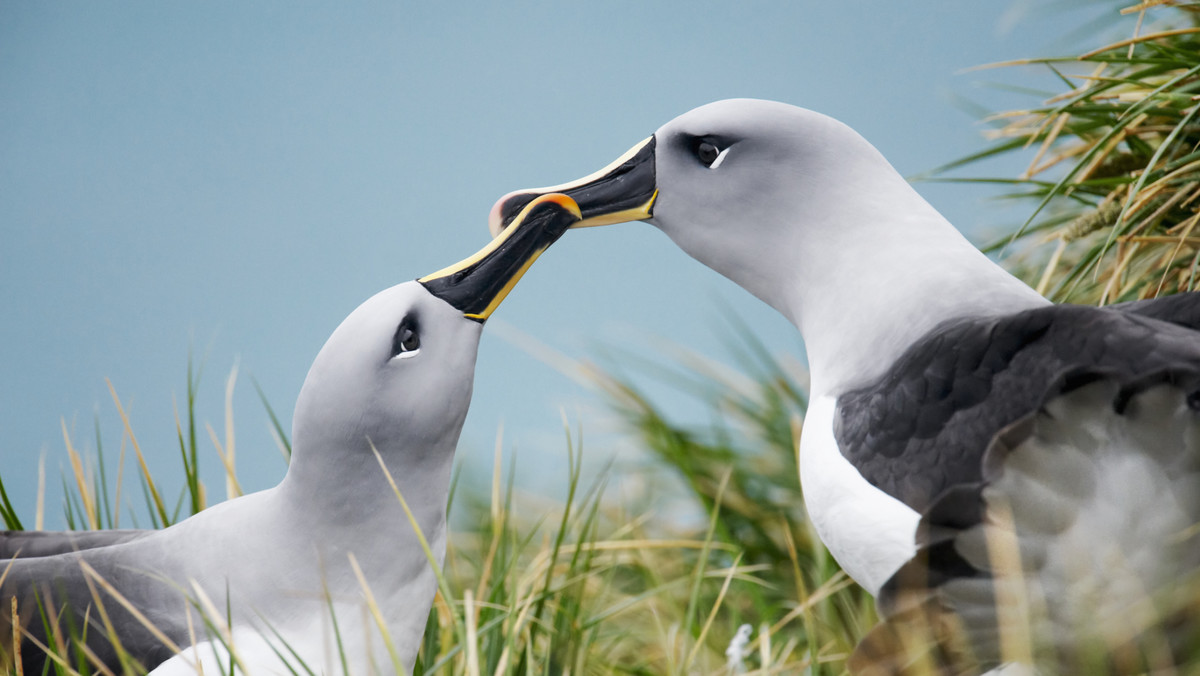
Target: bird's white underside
x=869, y=532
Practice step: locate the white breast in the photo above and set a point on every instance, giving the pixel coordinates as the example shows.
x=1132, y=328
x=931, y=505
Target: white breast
x=869, y=532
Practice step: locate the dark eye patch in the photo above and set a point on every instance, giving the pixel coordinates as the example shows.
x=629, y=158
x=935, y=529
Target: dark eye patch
x=407, y=338
x=705, y=148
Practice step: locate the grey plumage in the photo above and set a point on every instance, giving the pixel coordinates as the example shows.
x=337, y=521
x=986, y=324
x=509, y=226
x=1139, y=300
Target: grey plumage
x=30, y=544
x=1073, y=548
x=925, y=424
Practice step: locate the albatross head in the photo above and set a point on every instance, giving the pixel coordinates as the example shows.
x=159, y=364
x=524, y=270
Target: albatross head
x=798, y=209
x=763, y=192
x=397, y=373
x=400, y=367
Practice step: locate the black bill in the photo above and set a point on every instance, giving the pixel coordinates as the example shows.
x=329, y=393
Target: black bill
x=478, y=284
x=623, y=191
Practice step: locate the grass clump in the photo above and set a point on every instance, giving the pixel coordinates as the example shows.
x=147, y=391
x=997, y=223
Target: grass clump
x=1114, y=178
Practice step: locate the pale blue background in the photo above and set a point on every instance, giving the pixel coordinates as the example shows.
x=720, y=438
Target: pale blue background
x=234, y=178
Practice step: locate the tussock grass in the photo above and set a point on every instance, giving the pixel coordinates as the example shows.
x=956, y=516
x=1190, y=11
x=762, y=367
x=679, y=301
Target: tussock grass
x=1114, y=174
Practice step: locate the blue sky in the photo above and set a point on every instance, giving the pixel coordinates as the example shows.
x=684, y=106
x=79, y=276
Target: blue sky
x=232, y=179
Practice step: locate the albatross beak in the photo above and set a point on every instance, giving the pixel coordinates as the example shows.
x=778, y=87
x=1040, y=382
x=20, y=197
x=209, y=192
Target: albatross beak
x=623, y=191
x=476, y=285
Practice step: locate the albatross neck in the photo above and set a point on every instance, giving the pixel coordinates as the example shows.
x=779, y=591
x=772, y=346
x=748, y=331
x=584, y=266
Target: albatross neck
x=892, y=271
x=863, y=266
x=348, y=486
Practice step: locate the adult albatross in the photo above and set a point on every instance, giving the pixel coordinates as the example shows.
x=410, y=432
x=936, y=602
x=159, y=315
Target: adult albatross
x=951, y=405
x=285, y=574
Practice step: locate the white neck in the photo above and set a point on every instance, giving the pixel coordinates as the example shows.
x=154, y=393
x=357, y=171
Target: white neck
x=347, y=490
x=368, y=521
x=859, y=262
x=860, y=302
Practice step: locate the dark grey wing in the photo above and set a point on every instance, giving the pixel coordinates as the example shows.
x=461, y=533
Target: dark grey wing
x=34, y=543
x=923, y=427
x=72, y=599
x=1083, y=526
x=1181, y=308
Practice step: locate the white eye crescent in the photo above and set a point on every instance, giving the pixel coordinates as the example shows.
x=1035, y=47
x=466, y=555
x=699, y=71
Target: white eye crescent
x=720, y=158
x=407, y=341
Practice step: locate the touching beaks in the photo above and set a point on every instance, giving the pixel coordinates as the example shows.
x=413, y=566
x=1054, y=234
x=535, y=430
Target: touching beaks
x=477, y=285
x=623, y=191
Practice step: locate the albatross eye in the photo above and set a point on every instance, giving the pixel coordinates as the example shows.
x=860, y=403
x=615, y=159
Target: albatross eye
x=407, y=341
x=710, y=155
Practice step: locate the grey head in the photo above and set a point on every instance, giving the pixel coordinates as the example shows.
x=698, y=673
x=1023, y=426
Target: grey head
x=745, y=186
x=396, y=376
x=400, y=366
x=801, y=211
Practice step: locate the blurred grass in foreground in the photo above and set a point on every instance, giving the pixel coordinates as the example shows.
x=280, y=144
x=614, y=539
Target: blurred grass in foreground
x=592, y=584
